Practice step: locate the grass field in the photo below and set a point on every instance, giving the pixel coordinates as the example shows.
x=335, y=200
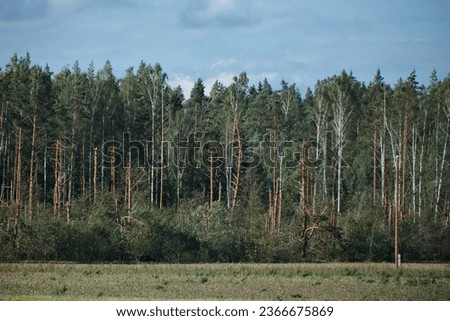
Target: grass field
x=329, y=281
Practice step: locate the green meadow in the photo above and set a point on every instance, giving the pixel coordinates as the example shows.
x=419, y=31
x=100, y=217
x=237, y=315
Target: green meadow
x=306, y=281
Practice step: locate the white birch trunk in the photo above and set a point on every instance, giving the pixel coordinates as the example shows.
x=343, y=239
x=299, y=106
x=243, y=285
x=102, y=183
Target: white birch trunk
x=413, y=169
x=228, y=163
x=382, y=164
x=152, y=160
x=162, y=151
x=441, y=170
x=422, y=148
x=340, y=120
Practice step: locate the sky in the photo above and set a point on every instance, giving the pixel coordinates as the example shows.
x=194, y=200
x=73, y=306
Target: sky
x=299, y=41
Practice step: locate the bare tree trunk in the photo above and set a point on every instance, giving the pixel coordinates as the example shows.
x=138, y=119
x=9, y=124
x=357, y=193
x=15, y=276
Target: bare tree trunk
x=113, y=176
x=63, y=180
x=383, y=152
x=3, y=150
x=324, y=167
x=287, y=99
x=422, y=148
x=90, y=161
x=397, y=210
x=276, y=194
x=268, y=219
x=83, y=171
x=113, y=170
x=318, y=123
x=31, y=178
x=375, y=147
x=45, y=173
x=321, y=144
x=155, y=86
x=152, y=167
x=441, y=170
x=383, y=165
x=60, y=176
x=238, y=163
x=128, y=184
x=56, y=188
x=18, y=185
x=413, y=170
x=339, y=179
x=396, y=148
x=233, y=167
x=152, y=161
x=340, y=123
x=303, y=203
x=228, y=163
x=228, y=174
x=70, y=187
x=280, y=197
x=71, y=167
x=274, y=207
x=404, y=162
x=58, y=179
x=94, y=178
x=162, y=152
x=211, y=180
x=161, y=177
x=102, y=160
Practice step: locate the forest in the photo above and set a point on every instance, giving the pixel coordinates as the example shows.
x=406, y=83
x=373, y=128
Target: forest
x=95, y=168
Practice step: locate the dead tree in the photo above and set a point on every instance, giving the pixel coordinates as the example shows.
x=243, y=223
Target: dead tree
x=57, y=190
x=341, y=115
x=18, y=185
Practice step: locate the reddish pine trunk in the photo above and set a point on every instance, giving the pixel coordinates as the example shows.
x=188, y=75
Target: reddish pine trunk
x=238, y=164
x=31, y=178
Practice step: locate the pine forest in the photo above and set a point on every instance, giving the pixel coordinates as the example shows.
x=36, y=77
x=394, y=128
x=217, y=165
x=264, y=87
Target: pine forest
x=95, y=168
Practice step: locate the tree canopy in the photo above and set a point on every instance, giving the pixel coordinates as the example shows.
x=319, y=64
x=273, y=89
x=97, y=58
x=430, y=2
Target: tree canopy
x=99, y=168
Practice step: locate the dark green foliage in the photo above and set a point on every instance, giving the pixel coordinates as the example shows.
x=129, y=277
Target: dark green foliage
x=366, y=238
x=143, y=173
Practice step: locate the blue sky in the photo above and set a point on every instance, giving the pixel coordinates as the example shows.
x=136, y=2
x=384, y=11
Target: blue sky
x=298, y=41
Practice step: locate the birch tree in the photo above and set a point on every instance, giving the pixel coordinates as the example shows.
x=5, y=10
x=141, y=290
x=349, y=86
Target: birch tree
x=444, y=130
x=153, y=83
x=341, y=111
x=319, y=115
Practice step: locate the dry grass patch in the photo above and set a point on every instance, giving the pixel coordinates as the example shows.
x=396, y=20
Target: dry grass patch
x=331, y=281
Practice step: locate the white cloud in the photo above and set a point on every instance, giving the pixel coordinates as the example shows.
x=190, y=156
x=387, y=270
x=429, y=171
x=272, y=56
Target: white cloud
x=223, y=63
x=187, y=83
x=184, y=81
x=225, y=78
x=216, y=7
x=256, y=77
x=218, y=13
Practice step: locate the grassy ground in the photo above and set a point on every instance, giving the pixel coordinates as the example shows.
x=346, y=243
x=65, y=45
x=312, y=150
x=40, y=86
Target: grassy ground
x=331, y=281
